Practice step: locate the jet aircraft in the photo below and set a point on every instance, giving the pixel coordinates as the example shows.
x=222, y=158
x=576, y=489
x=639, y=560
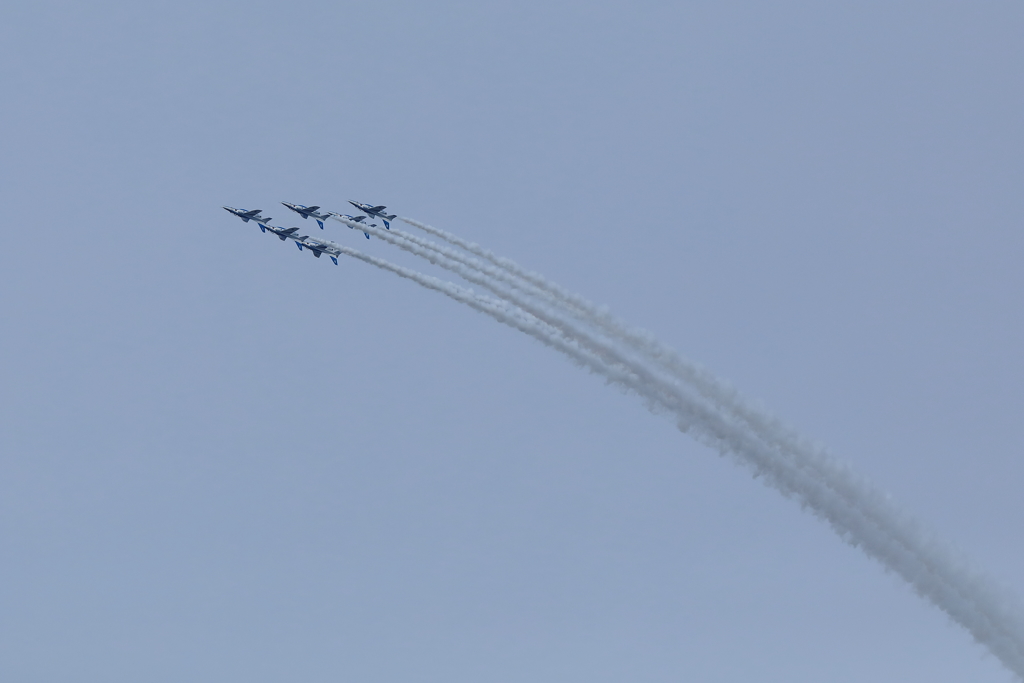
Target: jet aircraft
x=253, y=214
x=318, y=247
x=307, y=211
x=283, y=233
x=375, y=211
x=355, y=219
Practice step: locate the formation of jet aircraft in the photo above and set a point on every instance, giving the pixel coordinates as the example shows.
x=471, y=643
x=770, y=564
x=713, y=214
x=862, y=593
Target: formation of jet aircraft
x=315, y=246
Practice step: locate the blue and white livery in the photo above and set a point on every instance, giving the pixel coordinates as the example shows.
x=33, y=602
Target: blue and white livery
x=248, y=215
x=376, y=212
x=307, y=212
x=318, y=247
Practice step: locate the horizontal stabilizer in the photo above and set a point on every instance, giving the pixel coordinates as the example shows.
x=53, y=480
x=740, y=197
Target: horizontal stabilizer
x=316, y=253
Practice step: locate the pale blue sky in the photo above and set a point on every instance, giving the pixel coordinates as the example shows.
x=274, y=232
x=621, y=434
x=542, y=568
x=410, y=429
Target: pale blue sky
x=222, y=460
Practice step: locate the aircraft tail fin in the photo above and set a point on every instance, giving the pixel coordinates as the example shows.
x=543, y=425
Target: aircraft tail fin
x=320, y=222
x=335, y=259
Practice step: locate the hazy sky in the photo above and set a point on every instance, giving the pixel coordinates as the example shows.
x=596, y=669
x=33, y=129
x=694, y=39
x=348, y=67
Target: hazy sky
x=224, y=460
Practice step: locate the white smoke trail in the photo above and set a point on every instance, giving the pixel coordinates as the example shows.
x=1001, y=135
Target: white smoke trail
x=640, y=341
x=643, y=342
x=858, y=512
x=497, y=308
x=937, y=556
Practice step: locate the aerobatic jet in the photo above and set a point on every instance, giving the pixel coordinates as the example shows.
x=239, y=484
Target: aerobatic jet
x=253, y=214
x=355, y=219
x=318, y=247
x=283, y=233
x=308, y=211
x=376, y=212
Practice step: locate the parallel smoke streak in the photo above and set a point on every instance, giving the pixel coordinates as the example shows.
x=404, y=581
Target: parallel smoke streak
x=858, y=512
x=992, y=604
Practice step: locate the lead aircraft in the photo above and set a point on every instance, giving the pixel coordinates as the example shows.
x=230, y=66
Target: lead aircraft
x=250, y=215
x=375, y=211
x=308, y=211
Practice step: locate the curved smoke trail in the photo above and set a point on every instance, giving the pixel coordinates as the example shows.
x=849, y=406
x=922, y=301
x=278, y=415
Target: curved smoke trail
x=856, y=510
x=998, y=624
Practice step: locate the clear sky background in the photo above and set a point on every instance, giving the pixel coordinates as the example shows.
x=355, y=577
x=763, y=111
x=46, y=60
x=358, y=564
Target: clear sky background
x=223, y=460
